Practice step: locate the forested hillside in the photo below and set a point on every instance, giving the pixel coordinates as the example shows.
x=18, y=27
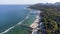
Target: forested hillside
x=50, y=17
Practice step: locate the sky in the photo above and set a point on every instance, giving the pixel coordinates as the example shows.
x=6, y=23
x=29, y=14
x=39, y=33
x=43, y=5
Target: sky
x=27, y=1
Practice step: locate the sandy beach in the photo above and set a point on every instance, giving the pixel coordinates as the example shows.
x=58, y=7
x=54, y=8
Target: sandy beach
x=35, y=23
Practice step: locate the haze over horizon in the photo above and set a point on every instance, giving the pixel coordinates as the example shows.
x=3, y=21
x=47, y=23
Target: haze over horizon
x=27, y=1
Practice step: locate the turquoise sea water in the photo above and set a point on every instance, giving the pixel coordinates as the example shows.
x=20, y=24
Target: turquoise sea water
x=24, y=27
x=10, y=15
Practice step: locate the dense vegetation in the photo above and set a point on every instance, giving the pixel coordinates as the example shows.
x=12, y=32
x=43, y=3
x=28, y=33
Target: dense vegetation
x=50, y=17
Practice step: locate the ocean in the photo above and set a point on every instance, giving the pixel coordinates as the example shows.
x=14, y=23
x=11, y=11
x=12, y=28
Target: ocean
x=11, y=15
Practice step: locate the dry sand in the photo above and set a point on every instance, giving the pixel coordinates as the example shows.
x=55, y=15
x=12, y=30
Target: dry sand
x=35, y=23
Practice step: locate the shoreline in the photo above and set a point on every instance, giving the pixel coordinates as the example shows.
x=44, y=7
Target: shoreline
x=33, y=25
x=36, y=21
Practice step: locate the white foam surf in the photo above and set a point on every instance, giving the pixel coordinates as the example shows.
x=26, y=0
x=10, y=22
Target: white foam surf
x=16, y=24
